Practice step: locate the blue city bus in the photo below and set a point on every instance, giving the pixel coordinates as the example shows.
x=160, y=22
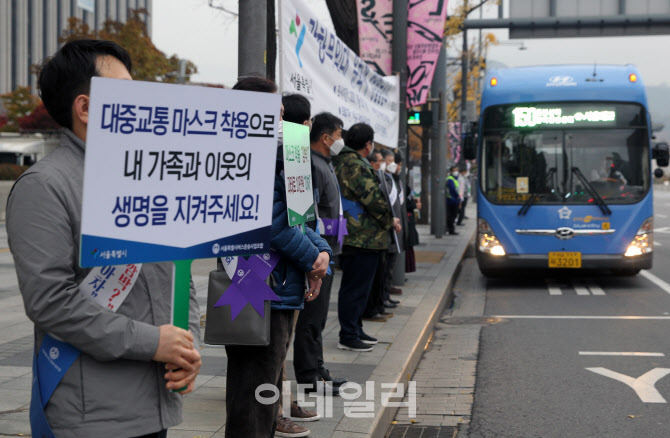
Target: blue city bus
x=564, y=163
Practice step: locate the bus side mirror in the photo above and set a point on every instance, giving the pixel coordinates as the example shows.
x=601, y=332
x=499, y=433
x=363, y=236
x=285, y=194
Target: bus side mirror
x=661, y=153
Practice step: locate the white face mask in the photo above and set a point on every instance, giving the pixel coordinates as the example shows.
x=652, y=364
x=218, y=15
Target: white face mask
x=336, y=147
x=392, y=167
x=454, y=174
x=382, y=167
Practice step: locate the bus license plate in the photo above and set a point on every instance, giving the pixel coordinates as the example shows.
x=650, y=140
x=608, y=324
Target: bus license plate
x=565, y=259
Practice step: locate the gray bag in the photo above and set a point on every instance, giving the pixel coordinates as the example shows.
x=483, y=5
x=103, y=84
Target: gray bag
x=249, y=328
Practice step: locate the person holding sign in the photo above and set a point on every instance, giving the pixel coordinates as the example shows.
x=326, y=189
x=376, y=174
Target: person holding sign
x=102, y=353
x=369, y=219
x=303, y=262
x=325, y=142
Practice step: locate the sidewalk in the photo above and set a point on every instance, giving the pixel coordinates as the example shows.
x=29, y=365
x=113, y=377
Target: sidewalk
x=402, y=341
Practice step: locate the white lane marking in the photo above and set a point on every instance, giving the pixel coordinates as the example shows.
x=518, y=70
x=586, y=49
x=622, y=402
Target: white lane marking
x=554, y=288
x=662, y=216
x=596, y=290
x=664, y=230
x=657, y=281
x=644, y=386
x=657, y=243
x=631, y=318
x=620, y=353
x=580, y=289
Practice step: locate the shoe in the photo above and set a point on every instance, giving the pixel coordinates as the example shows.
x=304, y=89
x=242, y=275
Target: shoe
x=368, y=339
x=327, y=377
x=465, y=217
x=374, y=318
x=300, y=414
x=357, y=345
x=392, y=301
x=454, y=233
x=287, y=428
x=389, y=305
x=387, y=314
x=395, y=291
x=461, y=225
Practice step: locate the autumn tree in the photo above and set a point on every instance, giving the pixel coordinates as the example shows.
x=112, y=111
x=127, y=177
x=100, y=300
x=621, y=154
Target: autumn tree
x=18, y=103
x=149, y=63
x=475, y=57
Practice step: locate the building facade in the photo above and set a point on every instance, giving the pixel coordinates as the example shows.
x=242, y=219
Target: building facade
x=29, y=31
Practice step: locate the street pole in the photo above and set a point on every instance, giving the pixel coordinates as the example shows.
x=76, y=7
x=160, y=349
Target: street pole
x=399, y=66
x=252, y=37
x=438, y=173
x=464, y=88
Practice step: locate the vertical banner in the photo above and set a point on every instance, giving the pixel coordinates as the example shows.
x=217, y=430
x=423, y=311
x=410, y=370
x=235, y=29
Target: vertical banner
x=177, y=172
x=375, y=32
x=318, y=65
x=425, y=28
x=298, y=174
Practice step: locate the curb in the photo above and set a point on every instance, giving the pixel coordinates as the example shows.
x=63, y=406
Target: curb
x=402, y=358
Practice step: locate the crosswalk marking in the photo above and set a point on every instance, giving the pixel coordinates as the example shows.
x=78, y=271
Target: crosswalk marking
x=582, y=289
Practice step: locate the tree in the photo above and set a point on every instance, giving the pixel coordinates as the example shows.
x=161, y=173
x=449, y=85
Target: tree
x=476, y=58
x=38, y=120
x=149, y=63
x=18, y=103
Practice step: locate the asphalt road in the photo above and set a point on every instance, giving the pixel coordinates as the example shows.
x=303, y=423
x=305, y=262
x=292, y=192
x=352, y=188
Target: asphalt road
x=578, y=355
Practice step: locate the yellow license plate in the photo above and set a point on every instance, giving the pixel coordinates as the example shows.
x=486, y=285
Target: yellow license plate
x=565, y=259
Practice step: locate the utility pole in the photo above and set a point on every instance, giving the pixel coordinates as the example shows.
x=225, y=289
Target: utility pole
x=399, y=66
x=252, y=37
x=464, y=83
x=438, y=173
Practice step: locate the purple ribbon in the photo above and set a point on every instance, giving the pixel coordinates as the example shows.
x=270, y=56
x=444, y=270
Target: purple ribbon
x=249, y=284
x=336, y=227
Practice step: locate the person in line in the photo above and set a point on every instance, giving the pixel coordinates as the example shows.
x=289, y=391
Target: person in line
x=297, y=109
x=325, y=142
x=123, y=356
x=368, y=221
x=453, y=200
x=402, y=233
x=301, y=255
x=464, y=189
x=395, y=242
x=375, y=311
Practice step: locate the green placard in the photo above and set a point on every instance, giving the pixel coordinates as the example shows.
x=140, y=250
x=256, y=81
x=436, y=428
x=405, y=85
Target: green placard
x=298, y=174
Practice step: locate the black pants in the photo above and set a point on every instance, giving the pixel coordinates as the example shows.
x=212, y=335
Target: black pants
x=461, y=211
x=388, y=273
x=452, y=213
x=358, y=272
x=250, y=367
x=308, y=344
x=375, y=304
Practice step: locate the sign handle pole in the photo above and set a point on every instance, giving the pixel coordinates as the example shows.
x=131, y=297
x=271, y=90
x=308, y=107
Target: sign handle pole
x=181, y=296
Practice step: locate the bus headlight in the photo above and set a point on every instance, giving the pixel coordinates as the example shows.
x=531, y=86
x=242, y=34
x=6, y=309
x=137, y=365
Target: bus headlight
x=644, y=239
x=488, y=242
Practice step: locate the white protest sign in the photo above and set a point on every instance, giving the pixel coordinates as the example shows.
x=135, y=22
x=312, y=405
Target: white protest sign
x=317, y=64
x=177, y=172
x=298, y=174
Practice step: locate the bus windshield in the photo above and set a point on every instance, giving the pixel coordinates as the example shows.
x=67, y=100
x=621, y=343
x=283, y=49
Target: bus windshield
x=564, y=152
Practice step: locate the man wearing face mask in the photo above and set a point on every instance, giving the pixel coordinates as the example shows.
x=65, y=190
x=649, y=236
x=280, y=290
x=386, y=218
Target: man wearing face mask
x=453, y=199
x=368, y=221
x=375, y=310
x=325, y=141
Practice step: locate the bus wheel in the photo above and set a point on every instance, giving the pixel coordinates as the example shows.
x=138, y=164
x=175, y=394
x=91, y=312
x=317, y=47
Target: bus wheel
x=626, y=272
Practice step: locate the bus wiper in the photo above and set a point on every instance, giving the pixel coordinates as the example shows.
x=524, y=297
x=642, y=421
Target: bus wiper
x=600, y=202
x=526, y=206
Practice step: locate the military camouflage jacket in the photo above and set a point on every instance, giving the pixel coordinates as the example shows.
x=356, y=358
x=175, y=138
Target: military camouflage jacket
x=368, y=214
